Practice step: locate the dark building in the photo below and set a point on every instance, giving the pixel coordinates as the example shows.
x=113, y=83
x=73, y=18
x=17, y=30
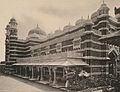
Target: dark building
x=79, y=42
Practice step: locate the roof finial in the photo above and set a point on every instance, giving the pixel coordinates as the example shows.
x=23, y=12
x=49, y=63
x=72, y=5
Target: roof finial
x=88, y=16
x=59, y=28
x=69, y=23
x=37, y=25
x=13, y=17
x=103, y=1
x=81, y=17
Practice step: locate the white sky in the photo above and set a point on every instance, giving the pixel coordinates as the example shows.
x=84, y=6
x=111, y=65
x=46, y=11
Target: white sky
x=49, y=14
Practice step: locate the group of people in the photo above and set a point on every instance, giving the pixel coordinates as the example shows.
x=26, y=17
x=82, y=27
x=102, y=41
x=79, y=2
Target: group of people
x=80, y=80
x=72, y=78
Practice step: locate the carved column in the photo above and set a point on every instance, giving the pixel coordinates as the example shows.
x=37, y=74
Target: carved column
x=41, y=76
x=20, y=71
x=32, y=72
x=26, y=71
x=38, y=73
x=54, y=71
x=50, y=74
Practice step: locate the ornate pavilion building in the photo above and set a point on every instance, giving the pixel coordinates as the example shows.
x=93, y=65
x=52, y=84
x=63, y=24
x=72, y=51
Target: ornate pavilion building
x=48, y=57
x=113, y=39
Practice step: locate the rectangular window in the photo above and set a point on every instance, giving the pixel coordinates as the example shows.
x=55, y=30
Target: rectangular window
x=52, y=46
x=88, y=52
x=96, y=69
x=53, y=51
x=88, y=44
x=68, y=42
x=70, y=48
x=104, y=32
x=76, y=43
x=103, y=47
x=43, y=48
x=103, y=54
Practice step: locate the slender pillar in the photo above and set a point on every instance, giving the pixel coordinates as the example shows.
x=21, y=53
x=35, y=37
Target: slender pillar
x=54, y=81
x=41, y=77
x=90, y=68
x=38, y=73
x=29, y=72
x=26, y=71
x=50, y=74
x=20, y=71
x=63, y=71
x=32, y=72
x=116, y=67
x=16, y=71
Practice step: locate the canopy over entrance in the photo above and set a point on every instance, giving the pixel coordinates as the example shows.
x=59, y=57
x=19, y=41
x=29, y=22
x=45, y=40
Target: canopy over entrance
x=113, y=54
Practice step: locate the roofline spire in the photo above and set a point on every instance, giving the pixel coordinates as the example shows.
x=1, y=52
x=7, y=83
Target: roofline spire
x=69, y=23
x=103, y=1
x=82, y=17
x=37, y=25
x=59, y=28
x=88, y=16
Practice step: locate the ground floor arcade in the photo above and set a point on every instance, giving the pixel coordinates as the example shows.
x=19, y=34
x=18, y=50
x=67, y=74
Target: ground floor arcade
x=49, y=74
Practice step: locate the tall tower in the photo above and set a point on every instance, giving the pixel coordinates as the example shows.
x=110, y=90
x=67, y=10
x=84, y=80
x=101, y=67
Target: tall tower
x=10, y=43
x=11, y=37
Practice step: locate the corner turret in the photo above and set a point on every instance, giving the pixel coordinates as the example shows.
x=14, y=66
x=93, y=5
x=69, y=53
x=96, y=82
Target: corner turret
x=12, y=27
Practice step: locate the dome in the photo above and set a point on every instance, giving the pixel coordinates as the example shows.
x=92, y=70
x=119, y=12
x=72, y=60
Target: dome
x=67, y=27
x=37, y=30
x=94, y=15
x=103, y=6
x=34, y=35
x=12, y=19
x=58, y=31
x=103, y=9
x=50, y=35
x=80, y=22
x=88, y=22
x=7, y=27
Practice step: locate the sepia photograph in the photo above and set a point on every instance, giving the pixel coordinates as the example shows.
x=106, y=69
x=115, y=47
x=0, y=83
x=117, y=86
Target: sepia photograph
x=59, y=45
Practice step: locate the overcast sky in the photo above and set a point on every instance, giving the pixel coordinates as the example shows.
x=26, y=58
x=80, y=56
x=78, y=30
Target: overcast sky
x=49, y=14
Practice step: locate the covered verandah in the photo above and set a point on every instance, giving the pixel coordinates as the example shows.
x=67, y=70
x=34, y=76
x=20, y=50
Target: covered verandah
x=51, y=73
